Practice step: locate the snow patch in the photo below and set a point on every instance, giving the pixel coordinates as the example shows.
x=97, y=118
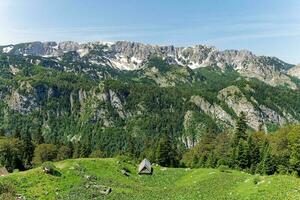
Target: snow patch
x=136, y=60
x=7, y=49
x=82, y=52
x=47, y=56
x=194, y=65
x=109, y=44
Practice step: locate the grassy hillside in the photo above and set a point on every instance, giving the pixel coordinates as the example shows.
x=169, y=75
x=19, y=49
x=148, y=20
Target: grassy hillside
x=86, y=178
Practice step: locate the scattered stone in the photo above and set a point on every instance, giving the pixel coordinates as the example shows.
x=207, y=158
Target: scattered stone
x=20, y=197
x=46, y=170
x=87, y=177
x=124, y=172
x=106, y=192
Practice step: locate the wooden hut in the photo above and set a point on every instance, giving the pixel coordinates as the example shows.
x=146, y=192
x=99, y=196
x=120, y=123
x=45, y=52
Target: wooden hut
x=145, y=167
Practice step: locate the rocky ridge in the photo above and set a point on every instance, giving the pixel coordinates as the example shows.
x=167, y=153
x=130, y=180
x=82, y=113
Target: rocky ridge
x=125, y=55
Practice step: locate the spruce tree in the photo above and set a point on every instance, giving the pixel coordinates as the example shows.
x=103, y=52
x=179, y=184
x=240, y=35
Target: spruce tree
x=166, y=154
x=242, y=155
x=266, y=165
x=163, y=151
x=28, y=150
x=241, y=128
x=254, y=154
x=294, y=146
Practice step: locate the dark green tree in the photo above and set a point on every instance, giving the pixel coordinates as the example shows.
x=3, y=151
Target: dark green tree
x=241, y=128
x=166, y=153
x=11, y=154
x=267, y=164
x=294, y=146
x=64, y=152
x=43, y=153
x=28, y=151
x=242, y=155
x=254, y=154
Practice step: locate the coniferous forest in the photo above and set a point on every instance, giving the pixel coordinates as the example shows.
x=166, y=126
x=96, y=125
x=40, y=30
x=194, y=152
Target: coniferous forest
x=75, y=115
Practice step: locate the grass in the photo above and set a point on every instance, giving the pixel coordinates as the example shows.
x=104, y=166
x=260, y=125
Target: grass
x=77, y=178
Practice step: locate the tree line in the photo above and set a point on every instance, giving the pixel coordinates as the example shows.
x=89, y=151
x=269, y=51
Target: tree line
x=253, y=152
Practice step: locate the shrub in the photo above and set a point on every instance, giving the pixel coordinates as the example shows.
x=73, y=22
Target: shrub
x=64, y=153
x=49, y=168
x=256, y=180
x=97, y=154
x=7, y=191
x=295, y=174
x=223, y=168
x=44, y=152
x=124, y=159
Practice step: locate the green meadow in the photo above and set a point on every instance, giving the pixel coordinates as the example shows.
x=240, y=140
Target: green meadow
x=87, y=178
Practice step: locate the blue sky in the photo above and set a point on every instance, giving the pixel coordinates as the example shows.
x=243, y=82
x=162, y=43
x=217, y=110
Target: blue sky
x=266, y=27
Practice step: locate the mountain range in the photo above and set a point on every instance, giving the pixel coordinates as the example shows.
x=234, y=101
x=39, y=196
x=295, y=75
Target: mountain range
x=68, y=89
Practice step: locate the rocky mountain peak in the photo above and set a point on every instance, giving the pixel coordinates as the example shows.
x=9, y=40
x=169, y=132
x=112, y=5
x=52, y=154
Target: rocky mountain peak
x=124, y=55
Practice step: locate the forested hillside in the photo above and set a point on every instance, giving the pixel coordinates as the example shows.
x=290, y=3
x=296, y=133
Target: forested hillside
x=54, y=108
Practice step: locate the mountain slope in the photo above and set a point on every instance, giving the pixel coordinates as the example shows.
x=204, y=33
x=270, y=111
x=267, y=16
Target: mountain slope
x=68, y=94
x=86, y=178
x=294, y=71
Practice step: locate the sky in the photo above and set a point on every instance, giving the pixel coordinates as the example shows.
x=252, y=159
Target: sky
x=266, y=27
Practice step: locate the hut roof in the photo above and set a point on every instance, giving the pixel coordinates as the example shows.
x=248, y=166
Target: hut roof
x=3, y=171
x=145, y=167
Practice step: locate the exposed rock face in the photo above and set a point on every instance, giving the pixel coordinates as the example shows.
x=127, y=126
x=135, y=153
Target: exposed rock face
x=295, y=71
x=132, y=56
x=257, y=118
x=116, y=103
x=22, y=103
x=190, y=139
x=213, y=110
x=239, y=103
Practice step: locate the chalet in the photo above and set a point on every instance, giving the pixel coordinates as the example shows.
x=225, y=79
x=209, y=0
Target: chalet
x=145, y=167
x=3, y=171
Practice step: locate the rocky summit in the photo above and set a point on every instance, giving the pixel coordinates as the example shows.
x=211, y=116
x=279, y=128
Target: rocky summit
x=125, y=55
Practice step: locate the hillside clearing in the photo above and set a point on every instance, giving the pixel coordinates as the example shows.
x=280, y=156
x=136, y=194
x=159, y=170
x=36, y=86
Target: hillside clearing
x=85, y=178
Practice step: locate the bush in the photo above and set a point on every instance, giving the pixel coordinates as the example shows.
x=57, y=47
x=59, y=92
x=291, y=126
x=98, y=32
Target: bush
x=295, y=174
x=256, y=180
x=283, y=170
x=97, y=154
x=44, y=152
x=49, y=168
x=124, y=159
x=64, y=153
x=223, y=168
x=7, y=191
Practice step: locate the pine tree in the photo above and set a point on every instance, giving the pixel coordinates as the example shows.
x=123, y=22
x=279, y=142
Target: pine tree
x=294, y=146
x=163, y=150
x=242, y=155
x=28, y=150
x=254, y=154
x=130, y=149
x=241, y=128
x=266, y=165
x=166, y=153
